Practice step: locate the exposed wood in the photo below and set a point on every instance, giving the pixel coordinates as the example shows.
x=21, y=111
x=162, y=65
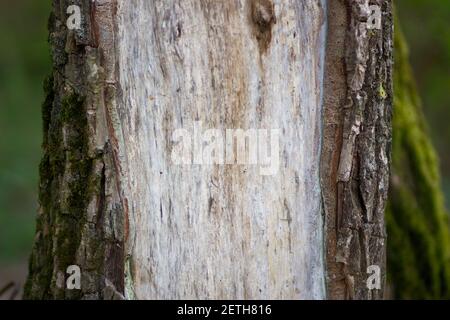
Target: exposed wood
x=222, y=231
x=140, y=226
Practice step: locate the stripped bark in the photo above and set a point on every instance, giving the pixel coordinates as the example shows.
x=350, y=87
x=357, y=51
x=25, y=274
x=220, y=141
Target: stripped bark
x=112, y=201
x=223, y=231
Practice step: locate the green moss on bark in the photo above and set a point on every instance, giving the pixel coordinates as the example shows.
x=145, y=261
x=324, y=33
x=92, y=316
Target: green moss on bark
x=66, y=187
x=72, y=190
x=417, y=223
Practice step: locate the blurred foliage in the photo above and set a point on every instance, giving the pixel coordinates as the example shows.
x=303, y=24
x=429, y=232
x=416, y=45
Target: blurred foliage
x=417, y=223
x=24, y=62
x=426, y=24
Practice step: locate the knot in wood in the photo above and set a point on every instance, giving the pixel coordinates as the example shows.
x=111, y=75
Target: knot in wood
x=263, y=14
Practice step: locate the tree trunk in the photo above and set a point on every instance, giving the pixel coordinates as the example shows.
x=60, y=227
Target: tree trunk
x=299, y=216
x=417, y=221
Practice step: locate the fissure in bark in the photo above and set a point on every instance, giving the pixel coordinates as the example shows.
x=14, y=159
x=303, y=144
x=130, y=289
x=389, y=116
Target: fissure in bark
x=356, y=153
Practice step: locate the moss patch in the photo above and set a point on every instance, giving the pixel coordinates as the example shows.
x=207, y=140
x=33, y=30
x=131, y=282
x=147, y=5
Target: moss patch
x=66, y=187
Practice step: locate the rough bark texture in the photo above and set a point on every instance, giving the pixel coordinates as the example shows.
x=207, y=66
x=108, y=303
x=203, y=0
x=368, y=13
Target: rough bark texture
x=356, y=145
x=140, y=226
x=81, y=215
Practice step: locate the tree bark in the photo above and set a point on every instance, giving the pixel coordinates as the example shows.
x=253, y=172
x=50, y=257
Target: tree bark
x=356, y=146
x=139, y=226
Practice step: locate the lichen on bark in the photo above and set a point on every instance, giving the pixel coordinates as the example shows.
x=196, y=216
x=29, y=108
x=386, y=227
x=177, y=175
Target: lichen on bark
x=80, y=209
x=417, y=222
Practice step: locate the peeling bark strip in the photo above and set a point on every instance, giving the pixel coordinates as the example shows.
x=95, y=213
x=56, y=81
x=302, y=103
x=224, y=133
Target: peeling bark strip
x=81, y=214
x=356, y=152
x=139, y=226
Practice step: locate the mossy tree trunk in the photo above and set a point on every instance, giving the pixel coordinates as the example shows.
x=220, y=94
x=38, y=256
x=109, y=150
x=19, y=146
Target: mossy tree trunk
x=139, y=226
x=417, y=223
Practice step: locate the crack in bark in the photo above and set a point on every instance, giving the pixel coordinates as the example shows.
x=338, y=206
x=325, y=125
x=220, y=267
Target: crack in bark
x=363, y=167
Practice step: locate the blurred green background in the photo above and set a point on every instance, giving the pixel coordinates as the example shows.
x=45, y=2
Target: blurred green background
x=426, y=24
x=25, y=61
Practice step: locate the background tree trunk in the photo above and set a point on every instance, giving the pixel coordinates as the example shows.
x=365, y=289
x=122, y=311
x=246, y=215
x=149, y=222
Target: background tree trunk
x=417, y=221
x=139, y=226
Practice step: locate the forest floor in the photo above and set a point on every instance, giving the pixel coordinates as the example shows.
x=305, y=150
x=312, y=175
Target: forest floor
x=12, y=277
